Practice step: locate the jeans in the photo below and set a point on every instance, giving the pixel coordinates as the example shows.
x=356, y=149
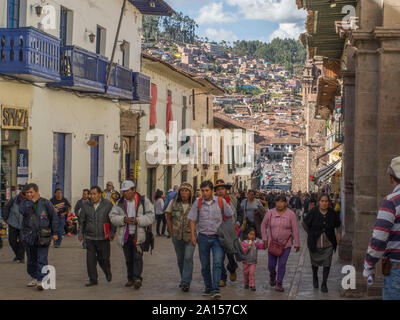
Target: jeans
x=184, y=254
x=97, y=251
x=231, y=266
x=36, y=260
x=14, y=238
x=391, y=285
x=61, y=230
x=249, y=274
x=205, y=245
x=272, y=261
x=161, y=218
x=133, y=259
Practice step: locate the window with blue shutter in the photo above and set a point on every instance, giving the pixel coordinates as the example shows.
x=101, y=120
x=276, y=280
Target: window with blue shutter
x=13, y=14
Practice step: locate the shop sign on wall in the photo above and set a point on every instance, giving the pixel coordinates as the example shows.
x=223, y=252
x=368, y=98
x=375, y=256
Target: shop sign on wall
x=15, y=118
x=22, y=166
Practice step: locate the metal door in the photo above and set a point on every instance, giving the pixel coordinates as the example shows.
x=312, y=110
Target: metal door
x=58, y=161
x=94, y=162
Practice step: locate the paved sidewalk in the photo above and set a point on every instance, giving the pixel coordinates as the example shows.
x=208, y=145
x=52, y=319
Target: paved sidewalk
x=160, y=277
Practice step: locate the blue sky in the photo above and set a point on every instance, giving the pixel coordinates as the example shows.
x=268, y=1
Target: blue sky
x=232, y=20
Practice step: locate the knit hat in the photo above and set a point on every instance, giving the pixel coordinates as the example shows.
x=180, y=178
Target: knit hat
x=394, y=168
x=186, y=185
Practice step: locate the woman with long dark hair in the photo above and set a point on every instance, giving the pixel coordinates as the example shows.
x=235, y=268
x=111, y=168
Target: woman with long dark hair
x=322, y=225
x=160, y=216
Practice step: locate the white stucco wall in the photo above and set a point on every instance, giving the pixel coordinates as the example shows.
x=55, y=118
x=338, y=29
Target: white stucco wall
x=59, y=111
x=87, y=14
x=164, y=82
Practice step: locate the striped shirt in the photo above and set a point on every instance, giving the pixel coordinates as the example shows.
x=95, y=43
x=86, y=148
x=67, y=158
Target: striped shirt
x=385, y=240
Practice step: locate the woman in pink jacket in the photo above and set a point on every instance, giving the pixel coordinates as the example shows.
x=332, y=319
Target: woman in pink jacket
x=280, y=225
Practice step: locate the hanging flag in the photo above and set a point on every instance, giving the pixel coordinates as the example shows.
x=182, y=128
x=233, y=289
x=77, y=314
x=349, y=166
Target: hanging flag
x=169, y=113
x=153, y=105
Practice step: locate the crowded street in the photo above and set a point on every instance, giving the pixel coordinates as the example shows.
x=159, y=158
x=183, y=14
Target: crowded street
x=160, y=277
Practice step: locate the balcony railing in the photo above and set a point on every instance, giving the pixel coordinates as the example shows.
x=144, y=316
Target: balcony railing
x=120, y=83
x=29, y=54
x=141, y=88
x=82, y=70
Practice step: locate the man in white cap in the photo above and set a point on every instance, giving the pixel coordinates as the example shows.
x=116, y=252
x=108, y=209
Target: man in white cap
x=132, y=214
x=385, y=242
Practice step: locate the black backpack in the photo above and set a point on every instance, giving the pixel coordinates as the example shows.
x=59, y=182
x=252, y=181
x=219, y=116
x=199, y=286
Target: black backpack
x=148, y=244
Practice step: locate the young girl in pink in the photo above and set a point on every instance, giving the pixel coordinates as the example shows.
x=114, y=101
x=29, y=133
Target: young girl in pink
x=250, y=247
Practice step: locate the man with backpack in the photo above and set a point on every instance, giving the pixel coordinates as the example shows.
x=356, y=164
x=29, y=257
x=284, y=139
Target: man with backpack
x=133, y=215
x=14, y=218
x=221, y=190
x=39, y=227
x=208, y=212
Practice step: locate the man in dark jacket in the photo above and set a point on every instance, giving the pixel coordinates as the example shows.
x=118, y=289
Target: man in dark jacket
x=14, y=218
x=96, y=228
x=78, y=208
x=221, y=190
x=62, y=207
x=46, y=217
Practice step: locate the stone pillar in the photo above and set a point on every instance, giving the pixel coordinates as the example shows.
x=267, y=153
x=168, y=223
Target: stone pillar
x=365, y=148
x=346, y=247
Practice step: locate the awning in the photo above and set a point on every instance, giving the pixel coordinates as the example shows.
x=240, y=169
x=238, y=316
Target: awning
x=328, y=152
x=325, y=173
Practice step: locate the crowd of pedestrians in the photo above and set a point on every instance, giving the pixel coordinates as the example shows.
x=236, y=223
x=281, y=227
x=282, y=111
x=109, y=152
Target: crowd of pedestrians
x=230, y=226
x=213, y=218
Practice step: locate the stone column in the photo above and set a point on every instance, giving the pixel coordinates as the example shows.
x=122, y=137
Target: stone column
x=346, y=247
x=365, y=151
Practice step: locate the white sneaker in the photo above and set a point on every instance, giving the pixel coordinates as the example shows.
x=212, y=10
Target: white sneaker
x=32, y=283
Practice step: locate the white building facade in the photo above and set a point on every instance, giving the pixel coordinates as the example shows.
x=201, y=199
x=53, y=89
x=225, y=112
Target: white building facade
x=55, y=63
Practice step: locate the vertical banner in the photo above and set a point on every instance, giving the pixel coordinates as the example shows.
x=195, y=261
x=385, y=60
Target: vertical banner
x=153, y=105
x=22, y=166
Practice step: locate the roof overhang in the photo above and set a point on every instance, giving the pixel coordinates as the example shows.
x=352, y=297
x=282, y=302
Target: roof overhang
x=161, y=67
x=322, y=37
x=153, y=7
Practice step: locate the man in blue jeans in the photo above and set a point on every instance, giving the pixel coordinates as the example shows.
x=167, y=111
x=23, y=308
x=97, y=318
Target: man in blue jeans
x=385, y=242
x=42, y=210
x=206, y=212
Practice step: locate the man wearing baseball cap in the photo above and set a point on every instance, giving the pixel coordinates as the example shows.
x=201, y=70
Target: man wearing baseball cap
x=221, y=190
x=385, y=242
x=132, y=214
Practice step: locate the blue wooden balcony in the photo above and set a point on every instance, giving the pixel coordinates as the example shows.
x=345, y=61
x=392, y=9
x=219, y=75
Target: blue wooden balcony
x=29, y=54
x=82, y=70
x=120, y=85
x=141, y=88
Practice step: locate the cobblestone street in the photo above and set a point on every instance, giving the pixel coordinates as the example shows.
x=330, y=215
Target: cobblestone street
x=160, y=277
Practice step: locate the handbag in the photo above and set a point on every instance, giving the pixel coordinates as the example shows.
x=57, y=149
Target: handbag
x=43, y=234
x=276, y=248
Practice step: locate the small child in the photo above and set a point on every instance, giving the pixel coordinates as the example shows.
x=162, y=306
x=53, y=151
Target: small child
x=250, y=247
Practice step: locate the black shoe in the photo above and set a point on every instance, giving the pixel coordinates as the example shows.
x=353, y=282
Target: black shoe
x=137, y=284
x=91, y=284
x=246, y=287
x=206, y=293
x=315, y=282
x=109, y=277
x=21, y=261
x=324, y=288
x=253, y=288
x=185, y=288
x=15, y=259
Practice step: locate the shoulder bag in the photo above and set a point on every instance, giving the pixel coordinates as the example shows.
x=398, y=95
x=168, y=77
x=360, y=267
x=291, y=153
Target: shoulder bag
x=43, y=234
x=276, y=248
